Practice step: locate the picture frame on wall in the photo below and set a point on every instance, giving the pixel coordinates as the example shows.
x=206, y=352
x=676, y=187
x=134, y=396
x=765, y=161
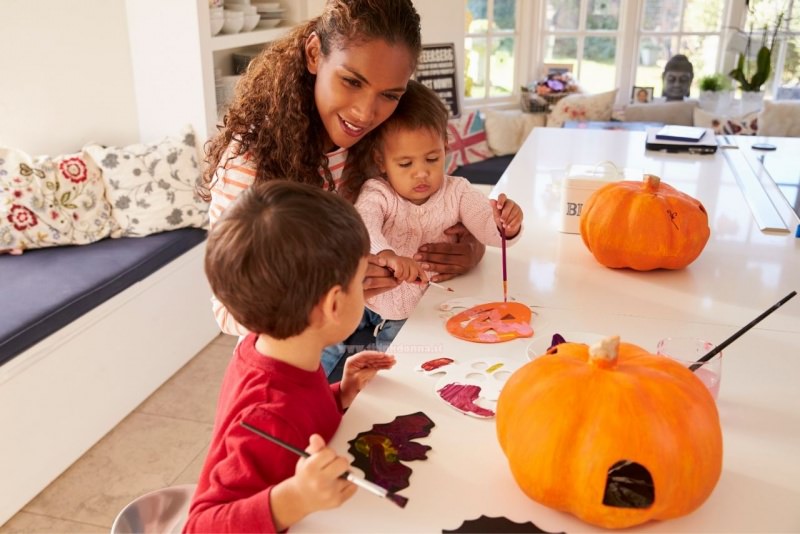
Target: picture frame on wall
x=641, y=95
x=436, y=69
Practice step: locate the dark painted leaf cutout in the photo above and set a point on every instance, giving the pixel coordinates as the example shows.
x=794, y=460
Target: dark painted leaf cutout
x=379, y=452
x=498, y=525
x=629, y=485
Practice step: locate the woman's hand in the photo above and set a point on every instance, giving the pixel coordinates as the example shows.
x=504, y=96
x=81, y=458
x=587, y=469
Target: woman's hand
x=378, y=278
x=360, y=369
x=451, y=259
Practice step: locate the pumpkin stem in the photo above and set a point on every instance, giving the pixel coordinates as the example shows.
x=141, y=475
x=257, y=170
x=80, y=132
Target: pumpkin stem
x=604, y=353
x=651, y=182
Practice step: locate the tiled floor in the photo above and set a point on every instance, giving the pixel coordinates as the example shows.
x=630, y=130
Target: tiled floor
x=162, y=443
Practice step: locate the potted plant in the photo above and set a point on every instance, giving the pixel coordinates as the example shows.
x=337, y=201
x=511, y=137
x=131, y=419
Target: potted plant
x=715, y=92
x=752, y=75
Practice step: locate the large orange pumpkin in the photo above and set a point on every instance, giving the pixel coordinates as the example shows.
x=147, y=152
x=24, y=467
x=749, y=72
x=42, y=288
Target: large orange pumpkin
x=644, y=225
x=613, y=435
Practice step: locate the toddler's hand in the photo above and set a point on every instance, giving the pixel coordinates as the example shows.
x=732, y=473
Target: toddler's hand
x=507, y=215
x=405, y=269
x=360, y=369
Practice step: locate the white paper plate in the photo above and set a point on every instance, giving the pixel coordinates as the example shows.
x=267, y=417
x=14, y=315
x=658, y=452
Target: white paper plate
x=542, y=339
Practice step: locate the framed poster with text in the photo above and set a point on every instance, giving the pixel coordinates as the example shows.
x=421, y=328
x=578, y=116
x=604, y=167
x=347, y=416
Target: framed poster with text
x=437, y=69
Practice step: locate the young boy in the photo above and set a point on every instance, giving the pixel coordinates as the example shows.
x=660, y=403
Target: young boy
x=414, y=201
x=288, y=261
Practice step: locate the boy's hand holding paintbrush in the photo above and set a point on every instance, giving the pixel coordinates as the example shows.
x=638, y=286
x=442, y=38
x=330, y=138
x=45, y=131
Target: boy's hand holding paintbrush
x=317, y=484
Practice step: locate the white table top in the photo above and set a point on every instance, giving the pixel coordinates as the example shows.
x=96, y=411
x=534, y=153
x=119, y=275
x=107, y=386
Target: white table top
x=741, y=272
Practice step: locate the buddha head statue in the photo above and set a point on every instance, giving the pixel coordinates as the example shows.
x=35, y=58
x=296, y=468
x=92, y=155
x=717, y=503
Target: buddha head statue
x=677, y=77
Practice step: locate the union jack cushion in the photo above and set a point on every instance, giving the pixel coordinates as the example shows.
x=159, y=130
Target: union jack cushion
x=467, y=141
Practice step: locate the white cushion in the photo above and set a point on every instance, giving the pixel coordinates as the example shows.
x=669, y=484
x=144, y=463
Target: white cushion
x=675, y=112
x=780, y=119
x=506, y=130
x=582, y=108
x=153, y=188
x=51, y=201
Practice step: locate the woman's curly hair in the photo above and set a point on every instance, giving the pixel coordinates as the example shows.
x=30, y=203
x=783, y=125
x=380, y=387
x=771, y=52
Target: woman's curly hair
x=273, y=117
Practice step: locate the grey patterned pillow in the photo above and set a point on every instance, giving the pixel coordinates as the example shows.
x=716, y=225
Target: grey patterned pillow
x=153, y=188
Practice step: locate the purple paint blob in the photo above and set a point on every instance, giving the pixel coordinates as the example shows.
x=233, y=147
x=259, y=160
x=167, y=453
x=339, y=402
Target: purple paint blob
x=462, y=397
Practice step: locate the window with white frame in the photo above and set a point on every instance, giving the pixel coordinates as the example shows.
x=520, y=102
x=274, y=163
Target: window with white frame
x=693, y=28
x=490, y=48
x=586, y=35
x=616, y=43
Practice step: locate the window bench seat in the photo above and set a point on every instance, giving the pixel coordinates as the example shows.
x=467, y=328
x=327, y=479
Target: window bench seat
x=86, y=334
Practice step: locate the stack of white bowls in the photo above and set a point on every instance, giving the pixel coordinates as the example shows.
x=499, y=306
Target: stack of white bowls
x=217, y=19
x=234, y=21
x=271, y=13
x=249, y=13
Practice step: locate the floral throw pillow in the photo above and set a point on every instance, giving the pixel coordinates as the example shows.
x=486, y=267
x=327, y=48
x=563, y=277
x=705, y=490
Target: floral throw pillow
x=47, y=202
x=582, y=108
x=722, y=125
x=153, y=188
x=467, y=141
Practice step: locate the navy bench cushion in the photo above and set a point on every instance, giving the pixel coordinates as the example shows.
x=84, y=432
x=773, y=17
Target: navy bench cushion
x=43, y=290
x=486, y=172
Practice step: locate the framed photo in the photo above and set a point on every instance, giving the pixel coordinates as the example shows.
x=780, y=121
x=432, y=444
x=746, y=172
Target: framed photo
x=641, y=95
x=556, y=68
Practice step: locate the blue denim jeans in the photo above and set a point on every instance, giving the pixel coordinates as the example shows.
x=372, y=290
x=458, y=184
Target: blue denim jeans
x=384, y=331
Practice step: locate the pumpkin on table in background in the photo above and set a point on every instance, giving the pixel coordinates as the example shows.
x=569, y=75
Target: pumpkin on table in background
x=644, y=225
x=611, y=434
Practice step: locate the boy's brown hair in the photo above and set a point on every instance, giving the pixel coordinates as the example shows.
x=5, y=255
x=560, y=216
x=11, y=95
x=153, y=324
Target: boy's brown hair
x=419, y=108
x=278, y=249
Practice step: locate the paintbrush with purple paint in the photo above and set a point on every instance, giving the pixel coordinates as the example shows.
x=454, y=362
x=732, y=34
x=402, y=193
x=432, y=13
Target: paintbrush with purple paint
x=505, y=272
x=399, y=500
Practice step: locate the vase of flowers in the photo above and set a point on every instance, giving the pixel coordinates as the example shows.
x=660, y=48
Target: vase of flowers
x=539, y=96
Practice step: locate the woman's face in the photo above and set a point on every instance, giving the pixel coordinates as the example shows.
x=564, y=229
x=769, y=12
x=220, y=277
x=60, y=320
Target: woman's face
x=357, y=87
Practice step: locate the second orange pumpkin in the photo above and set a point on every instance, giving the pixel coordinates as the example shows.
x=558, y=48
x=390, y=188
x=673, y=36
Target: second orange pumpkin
x=644, y=225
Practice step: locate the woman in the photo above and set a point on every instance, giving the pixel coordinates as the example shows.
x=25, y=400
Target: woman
x=306, y=102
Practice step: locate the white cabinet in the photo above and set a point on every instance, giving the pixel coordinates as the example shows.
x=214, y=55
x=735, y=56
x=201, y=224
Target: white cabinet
x=174, y=58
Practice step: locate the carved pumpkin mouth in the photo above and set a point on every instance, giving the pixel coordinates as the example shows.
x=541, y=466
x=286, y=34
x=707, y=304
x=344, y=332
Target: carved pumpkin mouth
x=493, y=322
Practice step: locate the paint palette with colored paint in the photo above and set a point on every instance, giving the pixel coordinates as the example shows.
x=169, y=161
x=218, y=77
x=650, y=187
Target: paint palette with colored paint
x=492, y=322
x=473, y=386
